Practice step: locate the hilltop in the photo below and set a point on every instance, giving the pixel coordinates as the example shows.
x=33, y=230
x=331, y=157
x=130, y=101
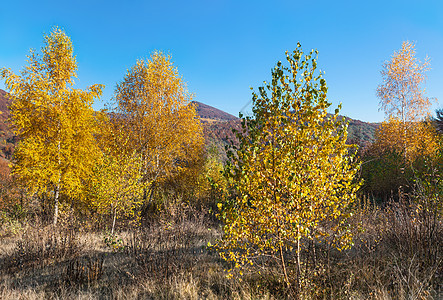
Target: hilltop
x=360, y=132
x=209, y=114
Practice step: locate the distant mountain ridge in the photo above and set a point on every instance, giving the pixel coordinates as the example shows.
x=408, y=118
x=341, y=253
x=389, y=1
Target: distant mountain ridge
x=217, y=126
x=219, y=123
x=360, y=132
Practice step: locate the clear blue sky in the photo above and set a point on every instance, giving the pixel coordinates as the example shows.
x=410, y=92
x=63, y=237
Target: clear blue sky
x=221, y=48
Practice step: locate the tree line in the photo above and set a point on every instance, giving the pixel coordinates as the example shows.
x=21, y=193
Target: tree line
x=107, y=160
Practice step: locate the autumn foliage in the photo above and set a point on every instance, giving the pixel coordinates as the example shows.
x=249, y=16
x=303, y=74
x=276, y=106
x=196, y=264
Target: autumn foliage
x=292, y=176
x=403, y=99
x=161, y=125
x=54, y=122
x=412, y=140
x=401, y=94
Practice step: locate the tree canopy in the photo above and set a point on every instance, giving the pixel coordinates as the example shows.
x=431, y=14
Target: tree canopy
x=153, y=108
x=401, y=94
x=54, y=122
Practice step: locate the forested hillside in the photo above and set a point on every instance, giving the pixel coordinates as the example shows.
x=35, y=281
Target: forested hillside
x=217, y=126
x=210, y=114
x=218, y=129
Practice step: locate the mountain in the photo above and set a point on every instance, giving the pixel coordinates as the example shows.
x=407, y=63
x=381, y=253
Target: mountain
x=217, y=126
x=4, y=102
x=361, y=133
x=209, y=114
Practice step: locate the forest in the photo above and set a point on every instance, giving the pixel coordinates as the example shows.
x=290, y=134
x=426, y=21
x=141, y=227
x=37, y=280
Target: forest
x=157, y=196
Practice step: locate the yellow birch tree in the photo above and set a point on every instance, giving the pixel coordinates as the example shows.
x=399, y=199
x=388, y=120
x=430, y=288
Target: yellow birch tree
x=292, y=175
x=403, y=99
x=54, y=122
x=116, y=186
x=161, y=124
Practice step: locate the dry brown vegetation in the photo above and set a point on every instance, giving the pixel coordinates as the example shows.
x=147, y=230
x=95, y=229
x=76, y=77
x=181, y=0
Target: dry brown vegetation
x=167, y=259
x=397, y=255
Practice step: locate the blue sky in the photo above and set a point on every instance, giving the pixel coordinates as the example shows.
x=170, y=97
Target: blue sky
x=222, y=48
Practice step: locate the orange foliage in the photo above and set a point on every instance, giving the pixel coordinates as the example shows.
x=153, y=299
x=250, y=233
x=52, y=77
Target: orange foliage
x=416, y=139
x=401, y=95
x=405, y=104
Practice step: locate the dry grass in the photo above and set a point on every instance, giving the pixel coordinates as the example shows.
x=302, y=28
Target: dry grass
x=397, y=256
x=168, y=259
